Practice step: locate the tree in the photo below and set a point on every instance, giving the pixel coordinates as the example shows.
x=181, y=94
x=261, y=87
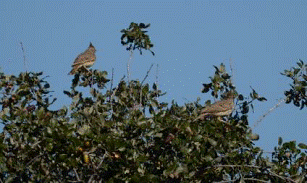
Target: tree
x=124, y=134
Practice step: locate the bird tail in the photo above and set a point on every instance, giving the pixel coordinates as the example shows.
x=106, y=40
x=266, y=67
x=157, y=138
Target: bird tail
x=73, y=71
x=202, y=116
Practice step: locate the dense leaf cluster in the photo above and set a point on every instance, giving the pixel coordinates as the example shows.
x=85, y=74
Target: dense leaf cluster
x=297, y=93
x=135, y=37
x=125, y=134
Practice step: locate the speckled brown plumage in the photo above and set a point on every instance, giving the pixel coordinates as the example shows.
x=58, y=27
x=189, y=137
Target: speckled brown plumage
x=220, y=108
x=85, y=59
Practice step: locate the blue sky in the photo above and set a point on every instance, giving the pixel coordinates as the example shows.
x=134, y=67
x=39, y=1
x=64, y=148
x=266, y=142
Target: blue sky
x=261, y=38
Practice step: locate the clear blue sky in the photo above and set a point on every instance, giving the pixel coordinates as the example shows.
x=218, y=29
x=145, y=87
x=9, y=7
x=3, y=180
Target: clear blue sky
x=262, y=38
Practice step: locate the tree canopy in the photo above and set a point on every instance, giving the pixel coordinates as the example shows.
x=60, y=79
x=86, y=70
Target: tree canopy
x=126, y=133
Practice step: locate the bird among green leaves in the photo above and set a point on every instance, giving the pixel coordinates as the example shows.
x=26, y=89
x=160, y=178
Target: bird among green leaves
x=220, y=108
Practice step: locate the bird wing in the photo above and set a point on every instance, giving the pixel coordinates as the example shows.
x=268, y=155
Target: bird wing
x=81, y=58
x=219, y=106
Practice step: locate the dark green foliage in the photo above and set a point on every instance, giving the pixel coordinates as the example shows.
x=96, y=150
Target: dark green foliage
x=126, y=134
x=297, y=93
x=135, y=38
x=290, y=158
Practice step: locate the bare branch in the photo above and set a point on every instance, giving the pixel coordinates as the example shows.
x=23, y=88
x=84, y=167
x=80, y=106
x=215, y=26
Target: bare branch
x=268, y=112
x=33, y=159
x=281, y=177
x=78, y=178
x=147, y=74
x=24, y=57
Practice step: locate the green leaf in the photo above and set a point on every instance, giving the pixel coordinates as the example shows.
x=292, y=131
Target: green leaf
x=49, y=131
x=154, y=86
x=49, y=147
x=151, y=110
x=279, y=141
x=63, y=156
x=302, y=146
x=208, y=158
x=262, y=99
x=254, y=94
x=296, y=71
x=212, y=142
x=67, y=93
x=47, y=85
x=159, y=135
x=300, y=64
x=84, y=129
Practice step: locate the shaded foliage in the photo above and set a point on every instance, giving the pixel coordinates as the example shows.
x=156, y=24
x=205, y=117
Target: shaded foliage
x=125, y=134
x=135, y=37
x=297, y=93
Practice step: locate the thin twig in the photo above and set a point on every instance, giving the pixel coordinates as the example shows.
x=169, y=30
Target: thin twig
x=225, y=181
x=232, y=72
x=268, y=112
x=253, y=179
x=148, y=71
x=78, y=178
x=117, y=87
x=111, y=87
x=92, y=79
x=141, y=93
x=157, y=76
x=90, y=180
x=280, y=101
x=112, y=79
x=112, y=95
x=284, y=178
x=101, y=161
x=157, y=79
x=24, y=57
x=92, y=176
x=128, y=65
x=128, y=71
x=250, y=166
x=33, y=159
